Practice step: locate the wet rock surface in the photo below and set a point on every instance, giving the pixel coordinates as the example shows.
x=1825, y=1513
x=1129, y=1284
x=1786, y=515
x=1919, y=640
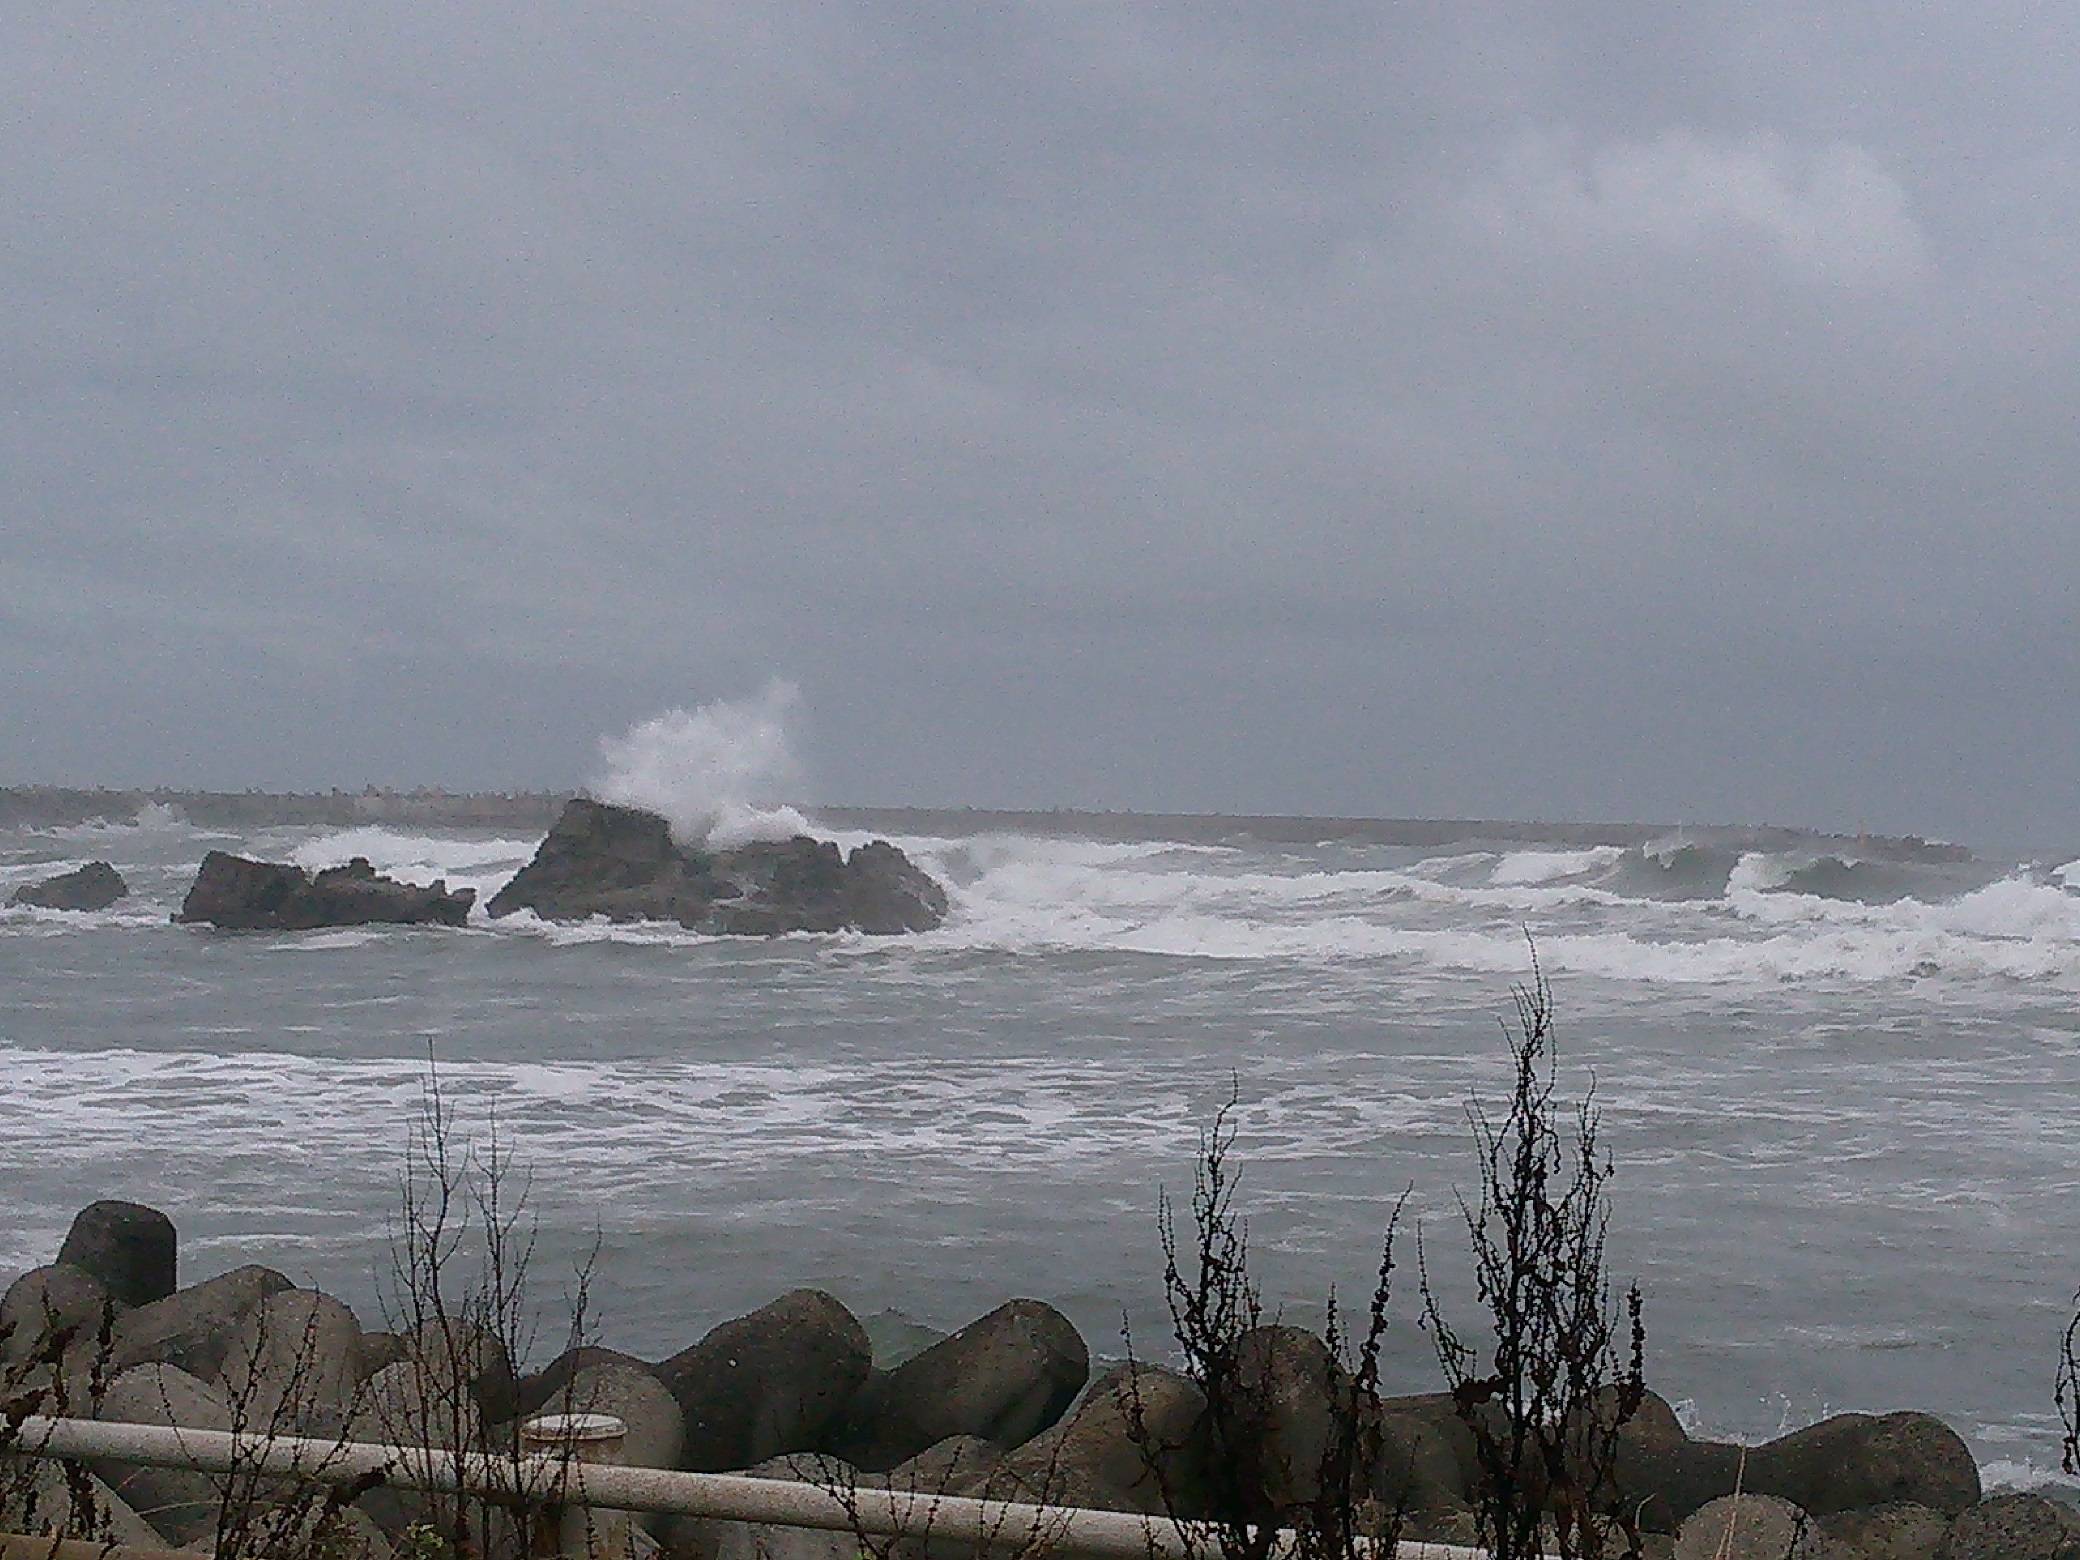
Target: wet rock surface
x=622, y=863
x=129, y=1247
x=95, y=886
x=244, y=895
x=991, y=1410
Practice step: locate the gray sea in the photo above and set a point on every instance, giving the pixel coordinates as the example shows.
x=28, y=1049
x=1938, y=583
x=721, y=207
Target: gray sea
x=1842, y=1094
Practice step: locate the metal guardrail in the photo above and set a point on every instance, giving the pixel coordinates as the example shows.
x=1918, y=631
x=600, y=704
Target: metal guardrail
x=570, y=1481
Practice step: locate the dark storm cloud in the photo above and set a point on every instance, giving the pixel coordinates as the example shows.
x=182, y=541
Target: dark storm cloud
x=1611, y=411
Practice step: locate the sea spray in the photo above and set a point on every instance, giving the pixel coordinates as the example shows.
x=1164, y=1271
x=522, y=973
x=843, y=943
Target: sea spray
x=713, y=772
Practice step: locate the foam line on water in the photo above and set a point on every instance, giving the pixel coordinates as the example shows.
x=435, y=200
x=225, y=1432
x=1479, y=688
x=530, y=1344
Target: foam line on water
x=479, y=863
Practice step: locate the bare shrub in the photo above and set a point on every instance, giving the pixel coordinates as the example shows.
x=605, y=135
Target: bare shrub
x=1025, y=1521
x=1565, y=1370
x=278, y=1390
x=2066, y=1391
x=59, y=1369
x=1255, y=1493
x=457, y=1298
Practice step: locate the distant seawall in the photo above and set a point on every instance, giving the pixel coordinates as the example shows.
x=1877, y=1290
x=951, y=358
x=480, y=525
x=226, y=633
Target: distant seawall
x=534, y=811
x=60, y=806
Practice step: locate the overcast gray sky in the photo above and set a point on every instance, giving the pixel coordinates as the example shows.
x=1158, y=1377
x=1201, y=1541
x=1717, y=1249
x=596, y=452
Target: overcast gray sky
x=1614, y=411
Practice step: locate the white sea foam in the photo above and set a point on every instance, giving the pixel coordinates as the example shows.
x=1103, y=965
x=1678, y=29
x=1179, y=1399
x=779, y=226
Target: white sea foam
x=1023, y=894
x=132, y=914
x=1758, y=872
x=482, y=864
x=1018, y=894
x=153, y=821
x=2009, y=1473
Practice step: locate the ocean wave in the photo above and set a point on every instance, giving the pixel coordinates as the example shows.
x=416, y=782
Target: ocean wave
x=1051, y=900
x=2011, y=909
x=598, y=929
x=484, y=864
x=129, y=916
x=391, y=849
x=1830, y=877
x=157, y=819
x=333, y=939
x=631, y=1132
x=1525, y=867
x=1843, y=954
x=1670, y=869
x=1674, y=911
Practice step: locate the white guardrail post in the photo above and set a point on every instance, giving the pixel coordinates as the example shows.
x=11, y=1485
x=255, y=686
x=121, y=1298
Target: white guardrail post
x=591, y=1481
x=596, y=1440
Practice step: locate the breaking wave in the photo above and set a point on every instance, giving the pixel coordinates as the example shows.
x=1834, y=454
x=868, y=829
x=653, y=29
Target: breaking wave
x=711, y=772
x=1681, y=911
x=478, y=863
x=1675, y=870
x=1546, y=866
x=1716, y=915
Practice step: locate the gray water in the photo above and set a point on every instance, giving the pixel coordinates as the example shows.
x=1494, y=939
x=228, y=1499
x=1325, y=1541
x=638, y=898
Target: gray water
x=1842, y=1097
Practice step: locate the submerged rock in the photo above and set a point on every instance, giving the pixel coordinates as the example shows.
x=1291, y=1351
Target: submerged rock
x=621, y=862
x=232, y=891
x=95, y=886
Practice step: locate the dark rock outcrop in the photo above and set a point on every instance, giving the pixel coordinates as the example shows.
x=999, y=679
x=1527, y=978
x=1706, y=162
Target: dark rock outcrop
x=243, y=895
x=621, y=863
x=2015, y=1526
x=1845, y=1463
x=129, y=1247
x=1748, y=1527
x=95, y=886
x=194, y=1327
x=1854, y=1460
x=778, y=1380
x=40, y=1497
x=1005, y=1378
x=296, y=1360
x=47, y=1301
x=1898, y=1531
x=1097, y=1457
x=632, y=1394
x=180, y=1503
x=545, y=1391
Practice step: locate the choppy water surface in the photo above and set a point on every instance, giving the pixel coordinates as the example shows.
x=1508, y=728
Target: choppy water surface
x=1844, y=1096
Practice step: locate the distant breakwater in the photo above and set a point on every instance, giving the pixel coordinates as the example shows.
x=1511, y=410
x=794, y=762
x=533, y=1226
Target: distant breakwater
x=60, y=807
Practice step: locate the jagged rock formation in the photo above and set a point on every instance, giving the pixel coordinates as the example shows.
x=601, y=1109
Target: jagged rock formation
x=621, y=862
x=95, y=886
x=231, y=891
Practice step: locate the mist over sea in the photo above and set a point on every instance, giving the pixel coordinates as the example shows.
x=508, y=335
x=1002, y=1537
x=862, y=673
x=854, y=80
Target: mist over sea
x=1842, y=1087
